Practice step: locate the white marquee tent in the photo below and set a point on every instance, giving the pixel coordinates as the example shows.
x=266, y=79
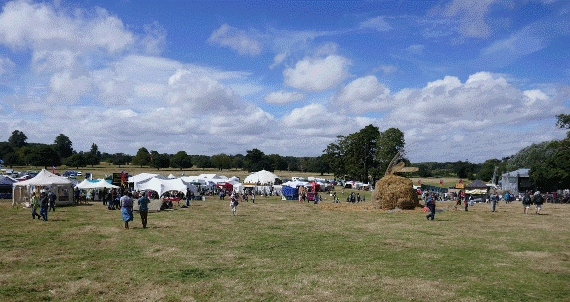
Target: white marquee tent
x=161, y=186
x=262, y=177
x=100, y=184
x=61, y=186
x=144, y=177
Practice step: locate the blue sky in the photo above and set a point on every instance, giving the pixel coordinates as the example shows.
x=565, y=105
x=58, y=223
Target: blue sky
x=464, y=80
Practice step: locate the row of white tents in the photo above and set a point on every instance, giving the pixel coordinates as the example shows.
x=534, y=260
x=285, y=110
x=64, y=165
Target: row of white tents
x=262, y=181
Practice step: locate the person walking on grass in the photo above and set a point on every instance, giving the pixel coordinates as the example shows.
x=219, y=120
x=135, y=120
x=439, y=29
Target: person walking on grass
x=143, y=209
x=44, y=204
x=52, y=198
x=127, y=208
x=233, y=204
x=526, y=202
x=538, y=200
x=430, y=203
x=35, y=205
x=494, y=201
x=252, y=197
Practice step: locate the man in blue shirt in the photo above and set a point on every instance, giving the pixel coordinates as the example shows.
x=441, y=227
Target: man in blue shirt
x=143, y=209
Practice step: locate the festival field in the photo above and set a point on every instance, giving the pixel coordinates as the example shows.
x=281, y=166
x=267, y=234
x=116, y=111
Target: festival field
x=285, y=251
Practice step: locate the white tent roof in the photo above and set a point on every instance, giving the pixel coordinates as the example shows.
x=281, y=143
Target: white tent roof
x=44, y=178
x=101, y=183
x=85, y=184
x=171, y=176
x=193, y=179
x=145, y=177
x=296, y=183
x=261, y=177
x=209, y=176
x=162, y=185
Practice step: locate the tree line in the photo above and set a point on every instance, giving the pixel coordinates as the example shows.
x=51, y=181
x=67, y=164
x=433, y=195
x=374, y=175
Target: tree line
x=17, y=151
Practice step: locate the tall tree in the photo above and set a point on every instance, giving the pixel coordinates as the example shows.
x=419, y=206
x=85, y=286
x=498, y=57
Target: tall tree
x=160, y=160
x=76, y=160
x=142, y=158
x=221, y=161
x=43, y=155
x=13, y=159
x=390, y=142
x=95, y=151
x=63, y=146
x=181, y=160
x=256, y=160
x=91, y=159
x=17, y=139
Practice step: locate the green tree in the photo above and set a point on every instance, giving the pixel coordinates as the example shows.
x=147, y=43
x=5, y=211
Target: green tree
x=488, y=169
x=63, y=146
x=278, y=162
x=5, y=149
x=221, y=161
x=256, y=160
x=202, y=161
x=13, y=159
x=390, y=142
x=181, y=160
x=159, y=160
x=91, y=159
x=17, y=139
x=237, y=161
x=142, y=158
x=95, y=151
x=76, y=160
x=43, y=155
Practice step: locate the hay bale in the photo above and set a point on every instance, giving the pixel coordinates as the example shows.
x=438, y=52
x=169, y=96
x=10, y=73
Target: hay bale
x=395, y=192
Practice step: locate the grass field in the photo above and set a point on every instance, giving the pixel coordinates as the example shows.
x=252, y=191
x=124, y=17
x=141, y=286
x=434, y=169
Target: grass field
x=285, y=251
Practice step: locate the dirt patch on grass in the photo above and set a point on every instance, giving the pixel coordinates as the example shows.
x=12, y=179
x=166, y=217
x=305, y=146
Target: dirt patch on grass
x=531, y=254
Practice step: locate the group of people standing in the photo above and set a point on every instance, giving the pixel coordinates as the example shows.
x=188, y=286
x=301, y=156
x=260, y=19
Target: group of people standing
x=45, y=202
x=127, y=201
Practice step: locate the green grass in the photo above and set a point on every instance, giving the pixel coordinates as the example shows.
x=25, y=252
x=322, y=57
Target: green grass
x=282, y=250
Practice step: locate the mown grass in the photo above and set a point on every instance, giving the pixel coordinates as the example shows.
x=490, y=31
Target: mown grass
x=282, y=251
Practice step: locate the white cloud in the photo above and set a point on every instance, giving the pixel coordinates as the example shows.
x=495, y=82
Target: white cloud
x=471, y=16
x=283, y=97
x=387, y=69
x=42, y=26
x=245, y=43
x=377, y=23
x=6, y=66
x=415, y=49
x=362, y=95
x=318, y=74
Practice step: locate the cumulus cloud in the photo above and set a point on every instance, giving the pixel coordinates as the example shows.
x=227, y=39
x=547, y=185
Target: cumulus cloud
x=43, y=26
x=317, y=74
x=483, y=100
x=283, y=97
x=362, y=95
x=377, y=23
x=6, y=66
x=245, y=43
x=470, y=16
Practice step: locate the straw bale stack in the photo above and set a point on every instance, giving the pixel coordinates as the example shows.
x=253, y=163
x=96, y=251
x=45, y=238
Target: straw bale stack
x=394, y=191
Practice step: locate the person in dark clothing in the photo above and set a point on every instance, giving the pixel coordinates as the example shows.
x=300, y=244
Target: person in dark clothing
x=44, y=205
x=52, y=198
x=430, y=203
x=538, y=200
x=526, y=202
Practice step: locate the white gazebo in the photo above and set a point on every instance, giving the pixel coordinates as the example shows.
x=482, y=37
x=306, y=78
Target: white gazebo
x=61, y=186
x=262, y=177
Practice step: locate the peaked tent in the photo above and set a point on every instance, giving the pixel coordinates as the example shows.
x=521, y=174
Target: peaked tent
x=143, y=177
x=61, y=186
x=171, y=176
x=6, y=185
x=262, y=177
x=161, y=186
